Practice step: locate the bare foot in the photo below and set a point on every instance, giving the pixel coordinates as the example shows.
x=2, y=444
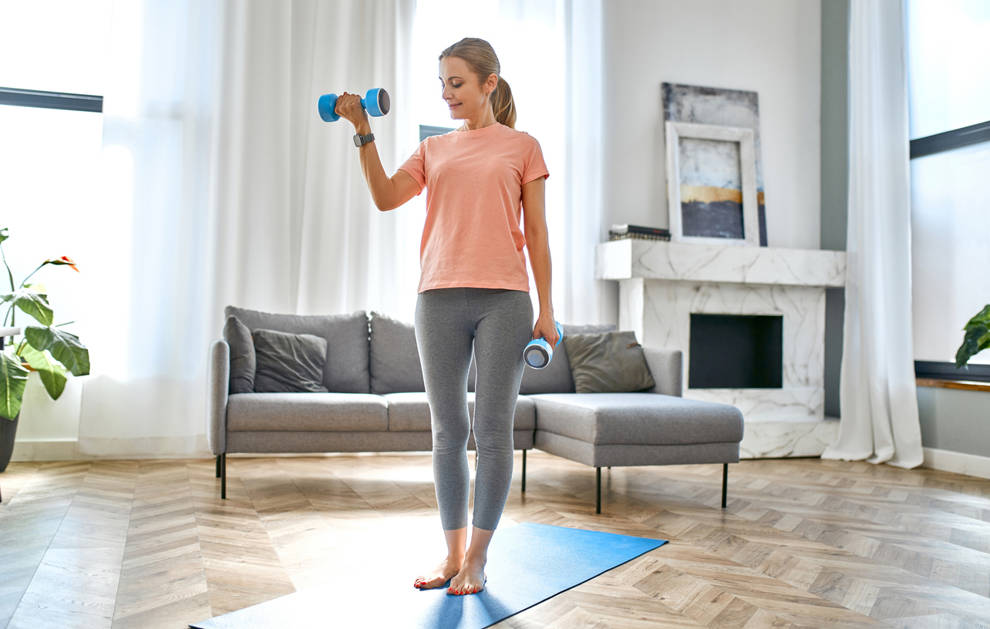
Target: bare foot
x=439, y=575
x=470, y=579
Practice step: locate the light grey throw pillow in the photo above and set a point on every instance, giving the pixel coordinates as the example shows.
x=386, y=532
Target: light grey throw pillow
x=610, y=362
x=289, y=362
x=242, y=358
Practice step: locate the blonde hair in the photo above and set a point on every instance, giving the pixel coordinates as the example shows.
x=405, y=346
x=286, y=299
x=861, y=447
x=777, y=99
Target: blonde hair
x=481, y=58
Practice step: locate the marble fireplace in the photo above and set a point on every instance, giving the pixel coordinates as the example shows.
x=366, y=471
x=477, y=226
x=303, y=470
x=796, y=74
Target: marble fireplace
x=758, y=320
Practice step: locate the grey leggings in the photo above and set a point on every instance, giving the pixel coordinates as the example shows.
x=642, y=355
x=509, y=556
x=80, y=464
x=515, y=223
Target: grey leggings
x=499, y=322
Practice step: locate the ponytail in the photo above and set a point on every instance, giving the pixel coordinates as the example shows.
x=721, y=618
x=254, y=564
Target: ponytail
x=502, y=104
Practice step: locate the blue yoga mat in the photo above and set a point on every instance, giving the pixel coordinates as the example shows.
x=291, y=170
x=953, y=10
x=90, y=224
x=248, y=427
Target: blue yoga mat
x=527, y=563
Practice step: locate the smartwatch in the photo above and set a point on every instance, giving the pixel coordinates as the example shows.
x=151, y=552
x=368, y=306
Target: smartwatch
x=361, y=140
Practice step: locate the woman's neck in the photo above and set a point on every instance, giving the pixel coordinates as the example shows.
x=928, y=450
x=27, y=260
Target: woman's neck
x=487, y=119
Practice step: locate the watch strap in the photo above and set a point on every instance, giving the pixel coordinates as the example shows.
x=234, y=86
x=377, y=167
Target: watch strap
x=361, y=140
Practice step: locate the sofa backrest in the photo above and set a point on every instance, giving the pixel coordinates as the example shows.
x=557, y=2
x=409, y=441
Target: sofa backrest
x=394, y=360
x=346, y=369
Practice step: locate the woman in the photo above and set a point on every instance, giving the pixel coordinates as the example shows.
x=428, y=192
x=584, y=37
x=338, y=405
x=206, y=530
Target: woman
x=473, y=288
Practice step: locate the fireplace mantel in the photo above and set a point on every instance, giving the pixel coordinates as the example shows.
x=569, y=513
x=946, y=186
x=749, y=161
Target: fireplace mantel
x=666, y=260
x=661, y=283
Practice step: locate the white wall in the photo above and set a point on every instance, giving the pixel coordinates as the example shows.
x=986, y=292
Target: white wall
x=772, y=47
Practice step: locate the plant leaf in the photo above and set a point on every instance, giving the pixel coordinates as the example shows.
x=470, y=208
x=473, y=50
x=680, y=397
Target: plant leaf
x=13, y=379
x=51, y=372
x=977, y=338
x=64, y=346
x=34, y=304
x=983, y=316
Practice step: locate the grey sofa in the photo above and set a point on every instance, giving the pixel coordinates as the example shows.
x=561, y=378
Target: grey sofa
x=377, y=403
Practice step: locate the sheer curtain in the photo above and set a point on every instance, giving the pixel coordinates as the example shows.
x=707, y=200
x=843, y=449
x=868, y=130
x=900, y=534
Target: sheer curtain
x=879, y=409
x=223, y=186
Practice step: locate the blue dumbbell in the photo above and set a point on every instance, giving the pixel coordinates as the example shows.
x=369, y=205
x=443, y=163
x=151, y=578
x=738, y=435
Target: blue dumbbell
x=376, y=102
x=538, y=352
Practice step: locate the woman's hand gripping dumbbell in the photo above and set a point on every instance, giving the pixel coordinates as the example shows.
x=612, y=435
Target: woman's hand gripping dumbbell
x=352, y=107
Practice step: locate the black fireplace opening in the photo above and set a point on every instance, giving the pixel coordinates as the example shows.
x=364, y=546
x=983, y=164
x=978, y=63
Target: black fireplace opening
x=736, y=351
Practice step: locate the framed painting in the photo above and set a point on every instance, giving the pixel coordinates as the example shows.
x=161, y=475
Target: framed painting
x=711, y=184
x=725, y=107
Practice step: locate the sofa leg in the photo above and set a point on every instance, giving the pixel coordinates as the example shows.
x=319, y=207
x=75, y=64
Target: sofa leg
x=725, y=478
x=218, y=466
x=598, y=492
x=223, y=476
x=524, y=471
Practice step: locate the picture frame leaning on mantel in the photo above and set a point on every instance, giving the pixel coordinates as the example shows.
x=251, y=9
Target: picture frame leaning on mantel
x=711, y=185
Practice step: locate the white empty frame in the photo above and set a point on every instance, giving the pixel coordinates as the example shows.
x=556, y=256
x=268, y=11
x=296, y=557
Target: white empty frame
x=710, y=176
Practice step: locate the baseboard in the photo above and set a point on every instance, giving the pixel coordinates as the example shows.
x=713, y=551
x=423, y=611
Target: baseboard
x=958, y=462
x=46, y=450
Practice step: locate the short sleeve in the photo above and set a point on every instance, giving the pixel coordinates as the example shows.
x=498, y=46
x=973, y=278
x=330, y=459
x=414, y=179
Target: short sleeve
x=416, y=165
x=533, y=164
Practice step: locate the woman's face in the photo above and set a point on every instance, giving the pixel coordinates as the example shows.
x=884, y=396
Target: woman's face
x=464, y=95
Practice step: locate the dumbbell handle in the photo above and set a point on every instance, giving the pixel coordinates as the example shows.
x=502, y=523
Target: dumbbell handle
x=376, y=102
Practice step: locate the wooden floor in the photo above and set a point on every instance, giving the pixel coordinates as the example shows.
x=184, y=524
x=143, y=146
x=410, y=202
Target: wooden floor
x=802, y=542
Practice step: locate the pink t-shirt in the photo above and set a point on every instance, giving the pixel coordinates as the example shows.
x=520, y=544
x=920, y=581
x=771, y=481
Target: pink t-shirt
x=473, y=183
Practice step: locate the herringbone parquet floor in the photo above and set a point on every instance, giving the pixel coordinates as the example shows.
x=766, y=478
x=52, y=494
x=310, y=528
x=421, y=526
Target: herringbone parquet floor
x=802, y=543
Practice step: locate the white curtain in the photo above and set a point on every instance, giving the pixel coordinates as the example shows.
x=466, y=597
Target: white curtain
x=582, y=226
x=878, y=401
x=223, y=186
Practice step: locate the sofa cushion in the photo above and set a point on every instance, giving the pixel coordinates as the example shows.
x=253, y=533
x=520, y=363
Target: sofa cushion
x=556, y=377
x=307, y=412
x=636, y=418
x=289, y=362
x=242, y=357
x=393, y=361
x=346, y=371
x=411, y=412
x=608, y=362
x=394, y=358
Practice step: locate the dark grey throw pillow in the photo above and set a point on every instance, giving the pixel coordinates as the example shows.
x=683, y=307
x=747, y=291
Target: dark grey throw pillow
x=242, y=358
x=609, y=362
x=289, y=362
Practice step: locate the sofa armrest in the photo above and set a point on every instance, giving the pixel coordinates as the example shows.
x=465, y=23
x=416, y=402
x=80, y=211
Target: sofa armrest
x=219, y=384
x=665, y=365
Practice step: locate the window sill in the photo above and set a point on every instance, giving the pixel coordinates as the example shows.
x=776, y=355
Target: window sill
x=965, y=385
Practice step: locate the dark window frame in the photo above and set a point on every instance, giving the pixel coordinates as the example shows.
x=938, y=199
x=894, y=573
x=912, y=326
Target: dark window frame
x=948, y=371
x=51, y=100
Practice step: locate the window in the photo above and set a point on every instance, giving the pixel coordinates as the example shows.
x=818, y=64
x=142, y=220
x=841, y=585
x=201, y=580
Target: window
x=51, y=78
x=948, y=59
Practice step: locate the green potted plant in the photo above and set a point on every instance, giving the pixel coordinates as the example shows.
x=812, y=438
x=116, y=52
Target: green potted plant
x=44, y=348
x=977, y=336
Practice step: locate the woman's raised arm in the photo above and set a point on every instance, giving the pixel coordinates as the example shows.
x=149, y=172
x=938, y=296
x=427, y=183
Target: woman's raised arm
x=387, y=192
